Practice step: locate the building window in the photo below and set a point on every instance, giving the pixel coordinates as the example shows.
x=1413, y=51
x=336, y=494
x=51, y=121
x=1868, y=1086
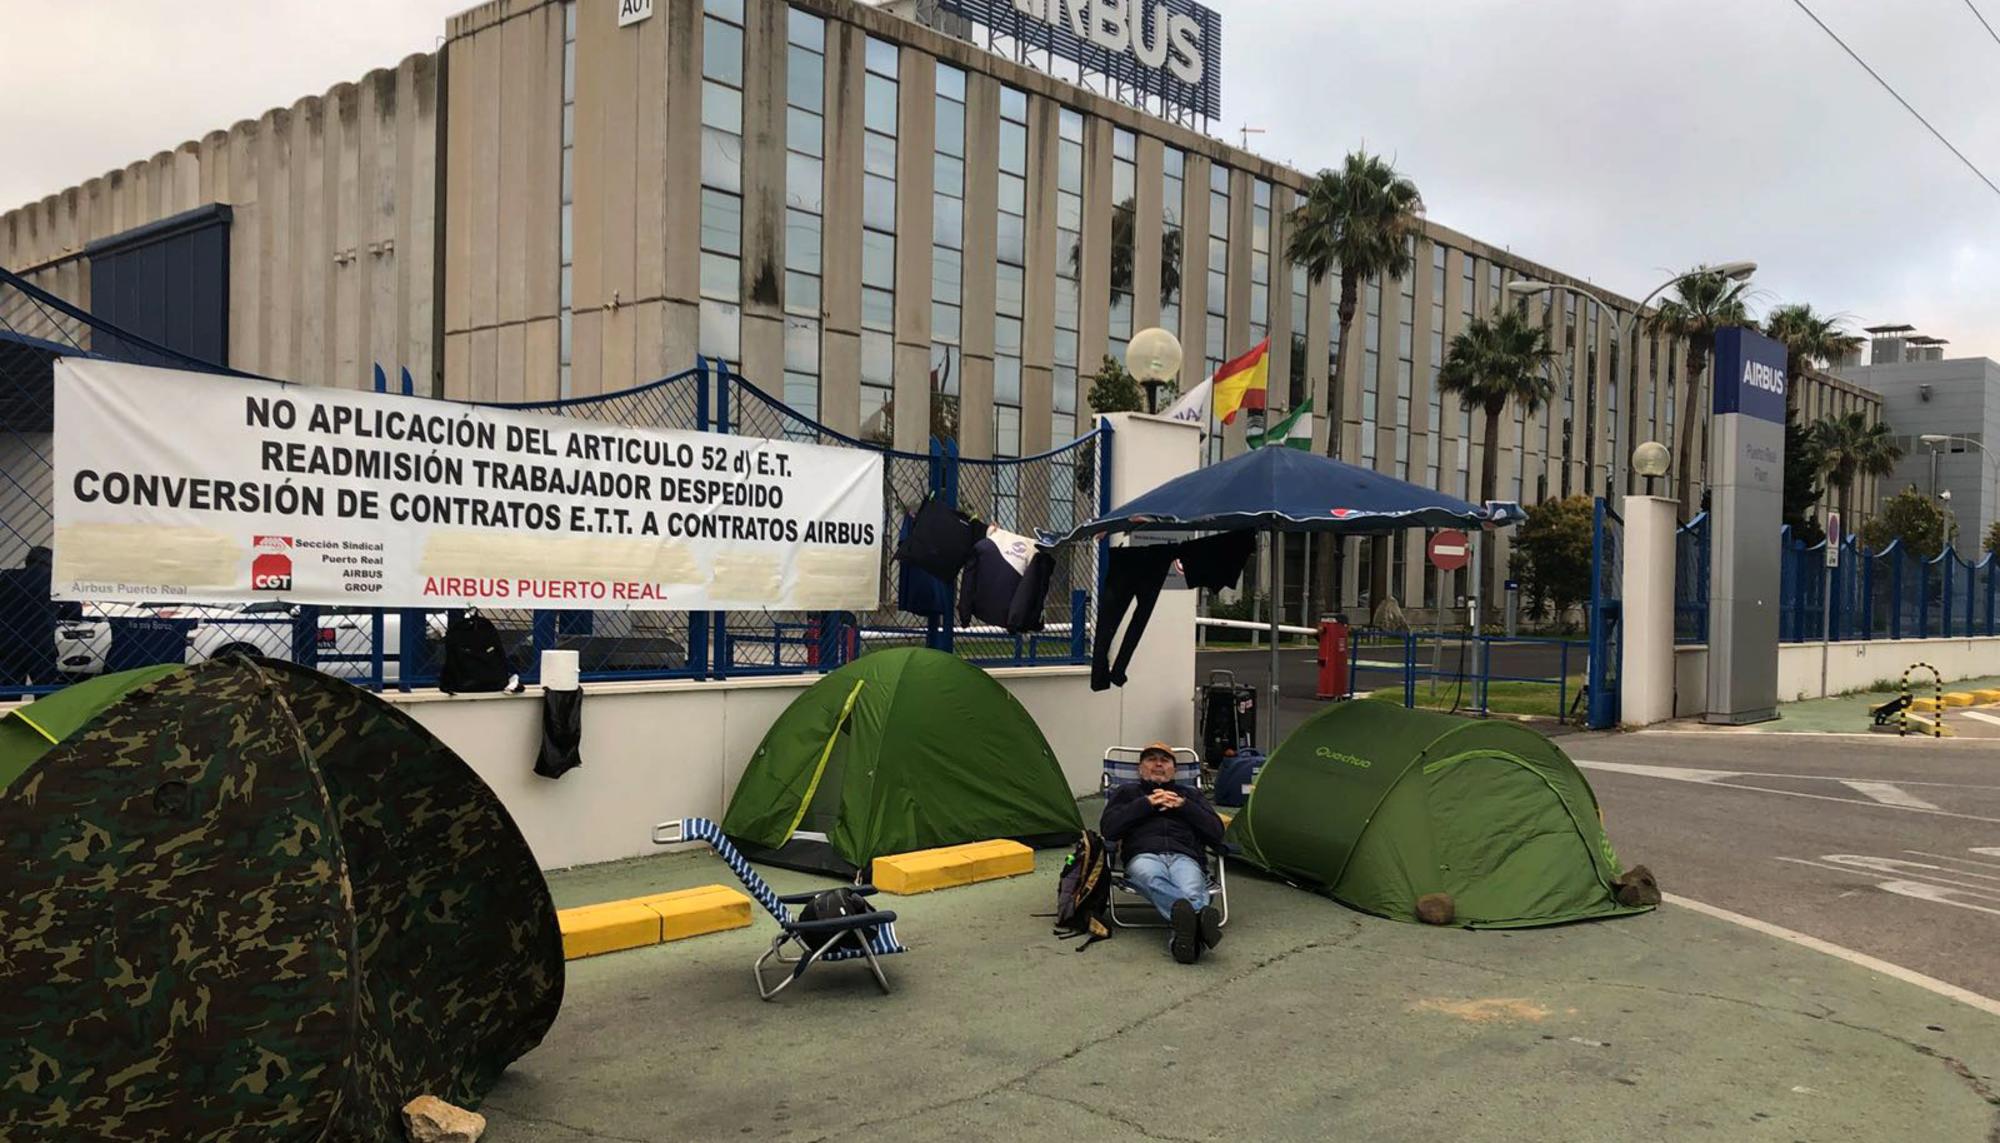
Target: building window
x=1567, y=378
x=878, y=241
x=948, y=240
x=1260, y=261
x=1300, y=390
x=1213, y=341
x=1124, y=212
x=1333, y=361
x=1371, y=360
x=1173, y=196
x=1467, y=302
x=721, y=179
x=1434, y=464
x=1406, y=337
x=1069, y=272
x=805, y=153
x=1010, y=274
x=566, y=236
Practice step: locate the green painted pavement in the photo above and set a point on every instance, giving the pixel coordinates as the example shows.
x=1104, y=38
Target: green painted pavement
x=1848, y=714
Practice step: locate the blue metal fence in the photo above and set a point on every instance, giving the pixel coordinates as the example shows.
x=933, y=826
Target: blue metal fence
x=1891, y=593
x=1691, y=581
x=47, y=645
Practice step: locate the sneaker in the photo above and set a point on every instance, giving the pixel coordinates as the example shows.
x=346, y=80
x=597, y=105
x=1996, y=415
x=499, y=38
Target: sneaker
x=1211, y=925
x=1186, y=941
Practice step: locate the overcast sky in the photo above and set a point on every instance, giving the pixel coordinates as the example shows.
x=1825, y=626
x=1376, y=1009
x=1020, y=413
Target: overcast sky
x=1619, y=140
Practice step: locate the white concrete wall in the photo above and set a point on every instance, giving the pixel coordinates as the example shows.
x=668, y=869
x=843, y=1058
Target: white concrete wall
x=1849, y=666
x=1646, y=670
x=1158, y=699
x=658, y=751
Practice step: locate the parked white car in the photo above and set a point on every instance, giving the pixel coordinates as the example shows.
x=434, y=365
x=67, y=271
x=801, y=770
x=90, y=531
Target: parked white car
x=346, y=640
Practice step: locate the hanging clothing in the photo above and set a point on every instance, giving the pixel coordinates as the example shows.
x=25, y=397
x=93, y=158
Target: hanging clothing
x=939, y=539
x=1133, y=577
x=1216, y=562
x=917, y=590
x=1005, y=582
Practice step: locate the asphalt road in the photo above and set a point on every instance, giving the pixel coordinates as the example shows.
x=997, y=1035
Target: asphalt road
x=1888, y=847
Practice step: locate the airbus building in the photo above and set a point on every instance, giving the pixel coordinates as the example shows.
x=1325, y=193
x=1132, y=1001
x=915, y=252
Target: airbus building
x=873, y=213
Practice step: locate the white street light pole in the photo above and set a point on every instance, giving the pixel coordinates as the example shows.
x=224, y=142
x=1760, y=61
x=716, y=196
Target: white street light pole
x=1736, y=271
x=1936, y=439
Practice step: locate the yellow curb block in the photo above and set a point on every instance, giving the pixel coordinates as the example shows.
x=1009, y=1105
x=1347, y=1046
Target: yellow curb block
x=613, y=926
x=1929, y=729
x=927, y=869
x=1923, y=704
x=1987, y=696
x=1957, y=698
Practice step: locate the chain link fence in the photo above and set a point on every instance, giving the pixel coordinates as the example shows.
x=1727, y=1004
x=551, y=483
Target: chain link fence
x=1691, y=581
x=48, y=645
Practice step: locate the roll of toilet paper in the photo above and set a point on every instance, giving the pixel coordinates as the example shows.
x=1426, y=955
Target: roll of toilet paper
x=559, y=670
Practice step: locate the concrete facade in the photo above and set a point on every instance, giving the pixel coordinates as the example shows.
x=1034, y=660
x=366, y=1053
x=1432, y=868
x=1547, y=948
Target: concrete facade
x=553, y=205
x=1956, y=397
x=333, y=262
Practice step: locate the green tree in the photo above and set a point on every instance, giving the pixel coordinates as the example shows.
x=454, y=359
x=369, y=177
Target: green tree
x=1494, y=361
x=1114, y=390
x=1552, y=555
x=1920, y=522
x=1850, y=447
x=1359, y=221
x=1810, y=339
x=1703, y=302
x=1993, y=539
x=1802, y=487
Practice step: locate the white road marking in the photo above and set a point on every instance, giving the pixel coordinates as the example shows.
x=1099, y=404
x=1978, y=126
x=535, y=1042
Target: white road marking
x=1960, y=860
x=1977, y=716
x=1925, y=891
x=1712, y=778
x=1985, y=850
x=1874, y=964
x=1889, y=866
x=1887, y=793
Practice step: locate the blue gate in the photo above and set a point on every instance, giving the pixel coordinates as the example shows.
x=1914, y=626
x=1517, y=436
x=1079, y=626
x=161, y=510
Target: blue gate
x=1606, y=567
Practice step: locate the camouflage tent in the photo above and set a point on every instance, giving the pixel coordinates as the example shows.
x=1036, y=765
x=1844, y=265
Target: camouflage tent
x=246, y=901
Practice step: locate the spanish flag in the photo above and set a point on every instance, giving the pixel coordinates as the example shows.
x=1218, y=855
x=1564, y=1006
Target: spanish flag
x=1241, y=384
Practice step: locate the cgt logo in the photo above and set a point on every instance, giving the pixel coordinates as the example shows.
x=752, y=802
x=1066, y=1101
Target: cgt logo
x=1757, y=375
x=271, y=566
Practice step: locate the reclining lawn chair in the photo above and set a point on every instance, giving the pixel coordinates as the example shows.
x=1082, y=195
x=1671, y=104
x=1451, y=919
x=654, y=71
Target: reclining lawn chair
x=1121, y=765
x=869, y=935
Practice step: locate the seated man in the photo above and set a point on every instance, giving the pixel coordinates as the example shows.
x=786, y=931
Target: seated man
x=1163, y=829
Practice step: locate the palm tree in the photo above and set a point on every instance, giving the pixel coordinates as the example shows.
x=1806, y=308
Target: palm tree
x=1357, y=221
x=1849, y=446
x=1491, y=362
x=1809, y=338
x=1704, y=301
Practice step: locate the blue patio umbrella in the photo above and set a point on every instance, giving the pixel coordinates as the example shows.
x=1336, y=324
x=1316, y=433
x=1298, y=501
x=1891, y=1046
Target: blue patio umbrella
x=1277, y=489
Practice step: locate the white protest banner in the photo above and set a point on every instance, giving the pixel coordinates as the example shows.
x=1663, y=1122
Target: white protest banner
x=187, y=487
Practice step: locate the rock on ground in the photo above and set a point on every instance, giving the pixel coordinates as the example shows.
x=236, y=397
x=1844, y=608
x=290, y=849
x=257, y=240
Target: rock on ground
x=428, y=1119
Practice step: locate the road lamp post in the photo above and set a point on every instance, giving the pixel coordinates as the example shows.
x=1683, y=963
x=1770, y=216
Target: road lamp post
x=1935, y=439
x=1735, y=271
x=1153, y=357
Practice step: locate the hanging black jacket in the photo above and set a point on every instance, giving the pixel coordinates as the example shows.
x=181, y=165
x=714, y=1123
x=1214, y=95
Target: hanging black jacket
x=1136, y=826
x=1005, y=582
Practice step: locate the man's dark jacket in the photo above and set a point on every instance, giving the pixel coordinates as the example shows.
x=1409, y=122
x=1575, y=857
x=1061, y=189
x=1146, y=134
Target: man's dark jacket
x=1138, y=827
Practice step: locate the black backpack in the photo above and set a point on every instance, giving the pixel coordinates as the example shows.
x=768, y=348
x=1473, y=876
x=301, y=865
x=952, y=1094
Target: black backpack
x=843, y=902
x=474, y=661
x=1083, y=891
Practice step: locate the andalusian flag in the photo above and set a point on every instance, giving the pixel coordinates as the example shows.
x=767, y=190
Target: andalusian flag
x=1295, y=431
x=1240, y=384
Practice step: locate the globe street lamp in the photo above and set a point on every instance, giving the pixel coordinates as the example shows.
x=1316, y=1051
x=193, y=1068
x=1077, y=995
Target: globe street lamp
x=1650, y=460
x=1734, y=271
x=1153, y=357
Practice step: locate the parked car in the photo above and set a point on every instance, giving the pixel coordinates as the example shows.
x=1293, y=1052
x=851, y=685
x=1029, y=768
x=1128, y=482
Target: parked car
x=345, y=641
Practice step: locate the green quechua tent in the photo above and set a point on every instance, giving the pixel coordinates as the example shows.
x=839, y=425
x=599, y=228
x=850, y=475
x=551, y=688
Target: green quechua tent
x=902, y=749
x=244, y=900
x=1377, y=806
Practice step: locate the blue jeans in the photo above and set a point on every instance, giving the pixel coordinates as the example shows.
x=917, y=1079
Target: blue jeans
x=1168, y=877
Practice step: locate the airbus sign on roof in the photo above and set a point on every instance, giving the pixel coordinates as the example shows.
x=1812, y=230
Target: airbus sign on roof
x=1169, y=50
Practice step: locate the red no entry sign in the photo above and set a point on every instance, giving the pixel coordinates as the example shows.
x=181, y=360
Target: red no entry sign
x=1449, y=550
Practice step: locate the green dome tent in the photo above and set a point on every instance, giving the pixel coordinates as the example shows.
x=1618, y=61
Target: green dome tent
x=1377, y=806
x=902, y=749
x=244, y=900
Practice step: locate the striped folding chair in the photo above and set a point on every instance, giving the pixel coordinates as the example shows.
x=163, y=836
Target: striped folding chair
x=1121, y=765
x=801, y=944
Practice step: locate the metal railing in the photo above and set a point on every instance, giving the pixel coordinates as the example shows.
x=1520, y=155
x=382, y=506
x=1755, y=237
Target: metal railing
x=44, y=645
x=1890, y=593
